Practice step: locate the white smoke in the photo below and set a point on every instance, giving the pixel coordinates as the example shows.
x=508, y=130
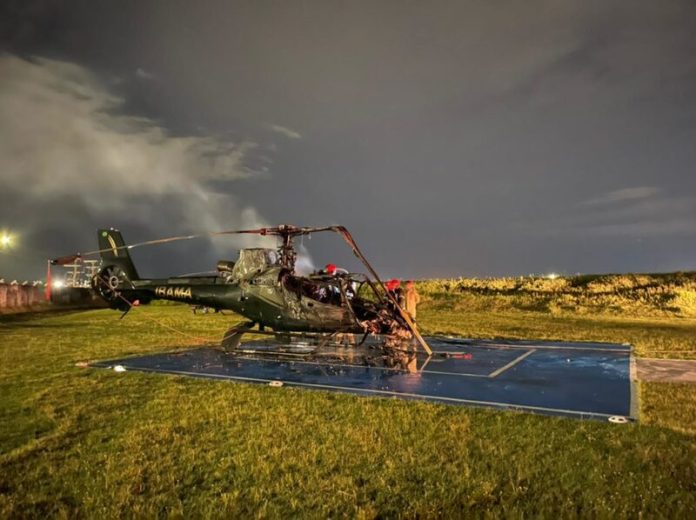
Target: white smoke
x=68, y=152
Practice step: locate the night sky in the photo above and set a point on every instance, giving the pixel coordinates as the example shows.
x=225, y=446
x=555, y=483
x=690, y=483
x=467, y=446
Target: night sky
x=462, y=138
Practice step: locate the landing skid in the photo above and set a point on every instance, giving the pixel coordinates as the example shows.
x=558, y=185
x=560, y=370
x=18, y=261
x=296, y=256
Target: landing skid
x=231, y=341
x=340, y=347
x=233, y=337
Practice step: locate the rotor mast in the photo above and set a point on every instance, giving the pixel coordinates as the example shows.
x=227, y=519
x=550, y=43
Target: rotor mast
x=288, y=255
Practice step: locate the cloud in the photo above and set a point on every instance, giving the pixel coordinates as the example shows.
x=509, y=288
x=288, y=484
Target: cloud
x=143, y=74
x=646, y=228
x=284, y=130
x=656, y=214
x=70, y=159
x=623, y=195
x=63, y=133
x=632, y=212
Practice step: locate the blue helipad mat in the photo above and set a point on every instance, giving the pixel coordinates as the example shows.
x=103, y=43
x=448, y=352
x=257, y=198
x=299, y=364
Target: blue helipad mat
x=583, y=380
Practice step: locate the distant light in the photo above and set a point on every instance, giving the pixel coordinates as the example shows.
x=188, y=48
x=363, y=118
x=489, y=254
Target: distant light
x=552, y=276
x=57, y=284
x=6, y=240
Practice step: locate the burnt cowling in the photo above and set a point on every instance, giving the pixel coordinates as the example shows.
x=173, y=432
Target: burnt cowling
x=225, y=266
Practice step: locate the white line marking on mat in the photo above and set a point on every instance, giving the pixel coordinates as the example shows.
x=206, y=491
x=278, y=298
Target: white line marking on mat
x=511, y=363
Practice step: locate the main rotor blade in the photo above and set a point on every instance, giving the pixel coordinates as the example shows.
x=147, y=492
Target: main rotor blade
x=265, y=231
x=345, y=234
x=169, y=239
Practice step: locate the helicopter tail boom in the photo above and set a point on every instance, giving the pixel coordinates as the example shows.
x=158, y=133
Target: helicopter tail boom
x=115, y=252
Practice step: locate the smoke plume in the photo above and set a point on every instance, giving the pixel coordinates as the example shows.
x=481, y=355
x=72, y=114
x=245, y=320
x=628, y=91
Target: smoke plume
x=67, y=143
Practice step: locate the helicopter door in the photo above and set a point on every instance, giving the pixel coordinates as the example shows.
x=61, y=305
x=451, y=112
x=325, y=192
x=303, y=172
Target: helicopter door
x=312, y=295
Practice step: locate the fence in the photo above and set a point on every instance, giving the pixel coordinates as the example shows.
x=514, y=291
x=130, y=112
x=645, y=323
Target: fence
x=16, y=296
x=21, y=297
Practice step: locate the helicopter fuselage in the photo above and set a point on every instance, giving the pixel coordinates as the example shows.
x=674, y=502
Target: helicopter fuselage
x=263, y=299
x=262, y=286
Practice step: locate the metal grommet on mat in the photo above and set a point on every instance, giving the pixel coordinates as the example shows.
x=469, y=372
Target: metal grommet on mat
x=618, y=419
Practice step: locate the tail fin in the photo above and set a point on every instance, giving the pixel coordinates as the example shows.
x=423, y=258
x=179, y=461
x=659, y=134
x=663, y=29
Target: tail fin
x=113, y=252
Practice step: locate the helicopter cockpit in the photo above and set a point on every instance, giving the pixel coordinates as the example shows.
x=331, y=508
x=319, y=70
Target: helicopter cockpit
x=251, y=262
x=321, y=289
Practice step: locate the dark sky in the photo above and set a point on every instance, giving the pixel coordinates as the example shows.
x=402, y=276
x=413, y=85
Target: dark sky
x=453, y=138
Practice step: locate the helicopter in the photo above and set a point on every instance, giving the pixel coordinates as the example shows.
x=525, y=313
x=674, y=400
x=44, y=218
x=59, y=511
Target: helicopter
x=263, y=286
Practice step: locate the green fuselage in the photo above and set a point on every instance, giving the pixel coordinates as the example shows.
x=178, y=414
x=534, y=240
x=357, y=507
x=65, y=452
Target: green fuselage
x=261, y=286
x=262, y=299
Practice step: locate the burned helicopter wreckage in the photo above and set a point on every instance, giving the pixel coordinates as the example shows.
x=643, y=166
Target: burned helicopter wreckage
x=302, y=313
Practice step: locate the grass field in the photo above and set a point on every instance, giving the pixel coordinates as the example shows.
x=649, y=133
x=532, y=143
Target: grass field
x=94, y=443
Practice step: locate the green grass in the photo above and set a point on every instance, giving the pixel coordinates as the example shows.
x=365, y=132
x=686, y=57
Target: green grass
x=654, y=312
x=671, y=295
x=655, y=337
x=94, y=443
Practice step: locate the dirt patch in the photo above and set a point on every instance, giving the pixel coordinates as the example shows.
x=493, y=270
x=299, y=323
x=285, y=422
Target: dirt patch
x=666, y=370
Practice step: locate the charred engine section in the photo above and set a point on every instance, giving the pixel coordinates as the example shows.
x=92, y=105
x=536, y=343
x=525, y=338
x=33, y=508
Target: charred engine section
x=225, y=266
